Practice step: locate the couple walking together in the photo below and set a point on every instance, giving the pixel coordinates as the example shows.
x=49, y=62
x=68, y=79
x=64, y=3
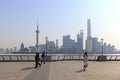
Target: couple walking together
x=37, y=59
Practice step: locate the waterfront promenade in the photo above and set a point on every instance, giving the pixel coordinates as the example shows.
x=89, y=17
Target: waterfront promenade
x=60, y=70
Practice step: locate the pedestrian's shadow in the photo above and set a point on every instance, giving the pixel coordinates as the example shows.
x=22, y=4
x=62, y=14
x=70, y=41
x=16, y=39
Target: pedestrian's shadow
x=27, y=68
x=79, y=71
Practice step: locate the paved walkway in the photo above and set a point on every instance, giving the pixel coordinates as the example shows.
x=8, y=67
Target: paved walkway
x=40, y=73
x=15, y=70
x=60, y=70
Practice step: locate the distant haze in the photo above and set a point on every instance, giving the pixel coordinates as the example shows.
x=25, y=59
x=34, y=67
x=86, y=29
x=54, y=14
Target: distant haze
x=18, y=20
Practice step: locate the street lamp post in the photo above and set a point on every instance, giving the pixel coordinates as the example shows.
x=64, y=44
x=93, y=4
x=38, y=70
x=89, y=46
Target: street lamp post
x=102, y=46
x=101, y=57
x=46, y=38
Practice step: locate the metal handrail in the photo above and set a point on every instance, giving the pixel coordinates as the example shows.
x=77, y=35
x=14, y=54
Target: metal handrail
x=57, y=57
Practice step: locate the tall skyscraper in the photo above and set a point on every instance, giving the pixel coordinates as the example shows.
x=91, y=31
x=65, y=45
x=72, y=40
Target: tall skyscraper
x=68, y=43
x=95, y=44
x=22, y=48
x=89, y=38
x=80, y=41
x=37, y=36
x=56, y=44
x=88, y=29
x=51, y=47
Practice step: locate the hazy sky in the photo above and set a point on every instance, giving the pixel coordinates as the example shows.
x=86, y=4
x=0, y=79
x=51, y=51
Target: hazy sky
x=18, y=20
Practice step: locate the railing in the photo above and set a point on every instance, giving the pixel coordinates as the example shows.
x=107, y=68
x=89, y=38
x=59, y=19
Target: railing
x=55, y=57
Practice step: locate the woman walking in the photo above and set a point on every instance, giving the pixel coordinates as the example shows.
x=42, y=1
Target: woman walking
x=43, y=57
x=85, y=60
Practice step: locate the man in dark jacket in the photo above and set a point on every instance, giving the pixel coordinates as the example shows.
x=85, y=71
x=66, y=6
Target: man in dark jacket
x=37, y=60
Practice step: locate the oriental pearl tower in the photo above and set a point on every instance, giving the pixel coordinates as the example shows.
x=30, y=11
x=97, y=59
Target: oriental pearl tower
x=37, y=37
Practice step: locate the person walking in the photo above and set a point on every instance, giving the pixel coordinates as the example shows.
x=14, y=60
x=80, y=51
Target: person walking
x=85, y=60
x=43, y=57
x=37, y=60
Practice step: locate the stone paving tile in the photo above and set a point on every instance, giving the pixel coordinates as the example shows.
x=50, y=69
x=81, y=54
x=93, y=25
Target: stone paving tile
x=72, y=70
x=15, y=70
x=60, y=70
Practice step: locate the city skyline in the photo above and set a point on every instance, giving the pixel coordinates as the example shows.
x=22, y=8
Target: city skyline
x=56, y=19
